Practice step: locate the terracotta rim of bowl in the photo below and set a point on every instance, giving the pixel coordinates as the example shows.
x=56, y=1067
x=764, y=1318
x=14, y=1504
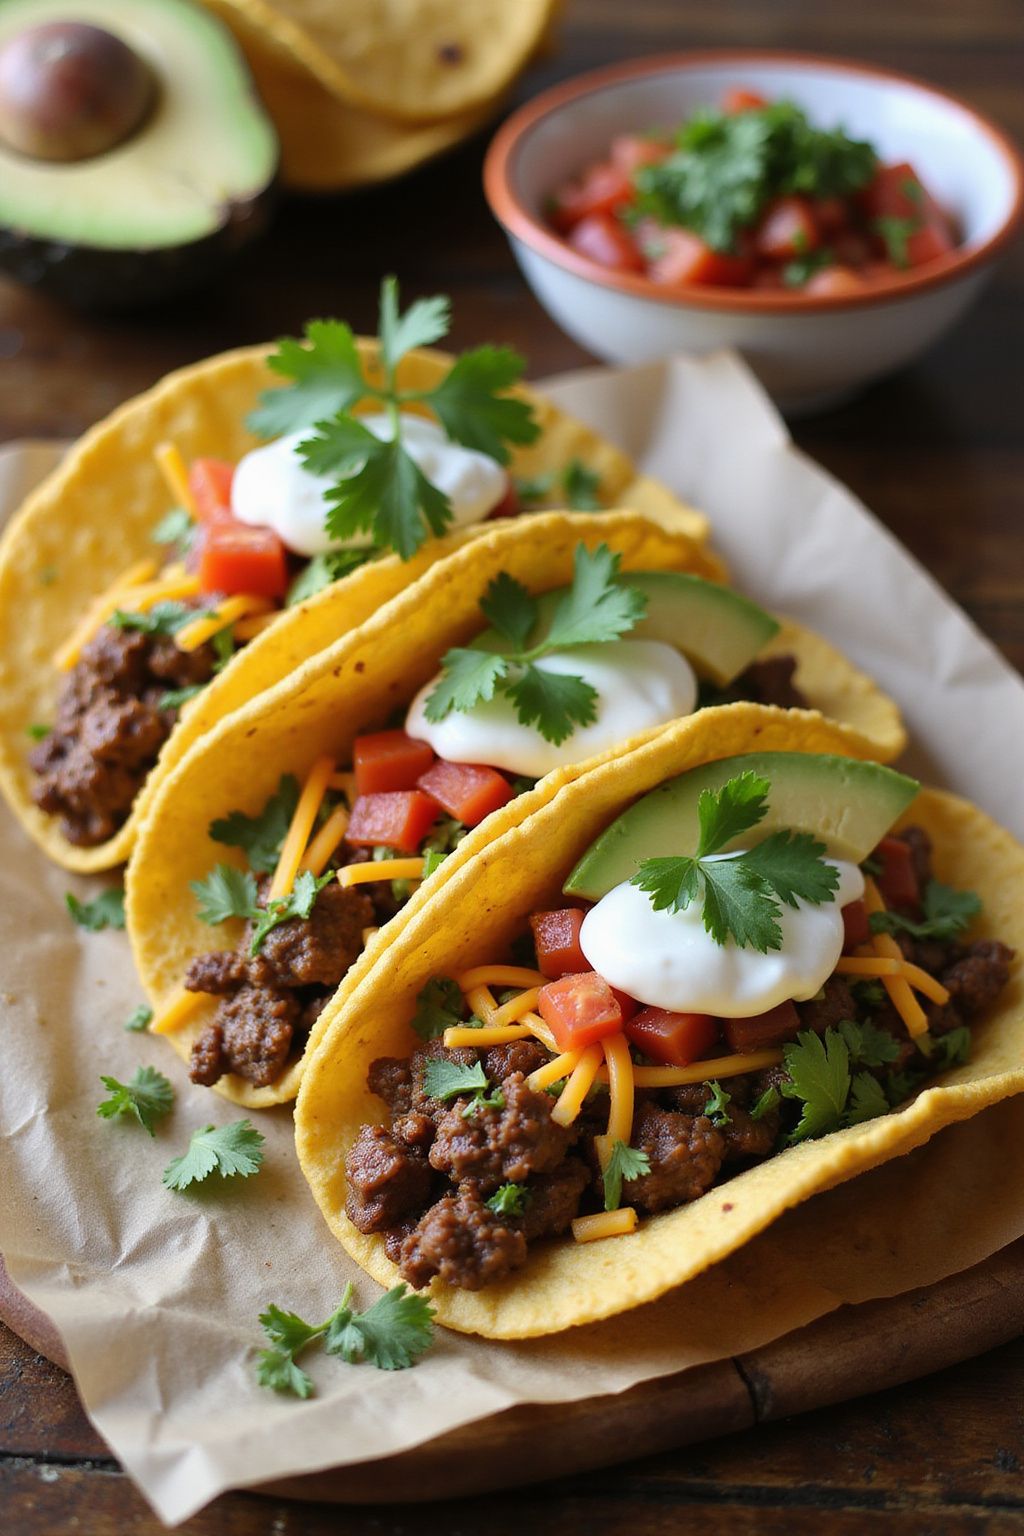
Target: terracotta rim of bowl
x=516, y=220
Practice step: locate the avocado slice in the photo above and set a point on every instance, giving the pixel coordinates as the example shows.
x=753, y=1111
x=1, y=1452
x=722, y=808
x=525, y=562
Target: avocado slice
x=849, y=805
x=718, y=631
x=162, y=209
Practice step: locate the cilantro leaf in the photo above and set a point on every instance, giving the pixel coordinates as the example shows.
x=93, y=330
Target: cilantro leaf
x=226, y=892
x=229, y=1150
x=672, y=883
x=439, y=1006
x=867, y=1099
x=469, y=677
x=174, y=698
x=595, y=607
x=533, y=488
x=38, y=732
x=424, y=322
x=510, y=608
x=556, y=702
x=725, y=813
x=260, y=837
x=286, y=1330
x=738, y=905
x=223, y=643
x=377, y=489
x=472, y=407
x=717, y=1106
x=298, y=903
x=161, y=619
x=896, y=233
x=326, y=375
x=105, y=910
x=819, y=1070
x=792, y=864
x=482, y=1100
x=141, y=1019
x=951, y=1049
x=947, y=913
x=510, y=1200
x=324, y=570
x=444, y=1079
x=768, y=1102
x=391, y=1334
x=176, y=527
x=276, y=1369
x=868, y=1045
x=581, y=486
x=868, y=995
x=625, y=1163
x=148, y=1096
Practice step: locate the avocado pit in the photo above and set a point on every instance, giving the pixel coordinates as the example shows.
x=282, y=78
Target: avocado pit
x=70, y=91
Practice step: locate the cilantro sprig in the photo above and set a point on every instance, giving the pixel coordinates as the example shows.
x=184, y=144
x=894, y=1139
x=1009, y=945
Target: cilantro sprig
x=161, y=619
x=260, y=837
x=947, y=913
x=439, y=1006
x=624, y=1163
x=740, y=892
x=233, y=1151
x=391, y=1334
x=576, y=485
x=377, y=488
x=510, y=1200
x=595, y=608
x=147, y=1097
x=445, y=1079
x=228, y=892
x=104, y=911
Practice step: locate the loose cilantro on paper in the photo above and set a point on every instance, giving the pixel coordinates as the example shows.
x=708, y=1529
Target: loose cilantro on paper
x=105, y=911
x=260, y=837
x=439, y=1006
x=391, y=1334
x=947, y=913
x=377, y=488
x=232, y=1151
x=740, y=892
x=624, y=1164
x=595, y=608
x=147, y=1097
x=139, y=1020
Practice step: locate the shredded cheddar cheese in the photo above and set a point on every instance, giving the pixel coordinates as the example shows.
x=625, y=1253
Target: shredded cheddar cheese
x=570, y=1100
x=700, y=1071
x=499, y=976
x=590, y=1229
x=551, y=1071
x=880, y=966
x=248, y=629
x=172, y=466
x=491, y=1034
x=620, y=1083
x=516, y=1007
x=100, y=611
x=381, y=869
x=297, y=836
x=325, y=841
x=898, y=988
x=541, y=1030
x=191, y=636
x=177, y=1013
x=346, y=782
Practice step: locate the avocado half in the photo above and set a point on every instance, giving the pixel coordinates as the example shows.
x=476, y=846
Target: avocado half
x=164, y=209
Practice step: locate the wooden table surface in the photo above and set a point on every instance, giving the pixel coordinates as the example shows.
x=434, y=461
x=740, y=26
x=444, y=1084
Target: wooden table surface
x=937, y=452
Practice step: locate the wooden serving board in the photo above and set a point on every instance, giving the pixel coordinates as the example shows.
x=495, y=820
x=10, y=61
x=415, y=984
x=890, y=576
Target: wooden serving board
x=851, y=1352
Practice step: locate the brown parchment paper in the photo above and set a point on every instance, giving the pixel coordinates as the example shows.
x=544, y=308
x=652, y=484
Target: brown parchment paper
x=157, y=1295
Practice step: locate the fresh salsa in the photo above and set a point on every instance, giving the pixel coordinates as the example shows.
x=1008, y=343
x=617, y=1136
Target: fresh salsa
x=752, y=196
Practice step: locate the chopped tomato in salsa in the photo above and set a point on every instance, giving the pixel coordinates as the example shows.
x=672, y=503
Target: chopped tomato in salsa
x=805, y=210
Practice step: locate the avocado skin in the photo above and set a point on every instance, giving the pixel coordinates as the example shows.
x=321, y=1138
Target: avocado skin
x=109, y=280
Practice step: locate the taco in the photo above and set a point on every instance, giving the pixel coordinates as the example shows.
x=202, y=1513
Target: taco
x=718, y=973
x=394, y=753
x=230, y=576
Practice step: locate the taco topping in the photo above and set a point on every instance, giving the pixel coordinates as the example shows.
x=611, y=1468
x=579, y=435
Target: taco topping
x=566, y=1104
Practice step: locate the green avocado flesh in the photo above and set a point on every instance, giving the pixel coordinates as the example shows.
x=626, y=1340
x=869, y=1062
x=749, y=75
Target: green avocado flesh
x=718, y=631
x=849, y=805
x=193, y=170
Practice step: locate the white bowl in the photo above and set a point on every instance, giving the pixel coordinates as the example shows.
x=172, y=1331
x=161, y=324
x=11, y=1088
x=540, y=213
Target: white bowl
x=809, y=350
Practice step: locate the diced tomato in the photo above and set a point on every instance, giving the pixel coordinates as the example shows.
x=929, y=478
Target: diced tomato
x=631, y=150
x=851, y=249
x=895, y=192
x=746, y=1035
x=235, y=558
x=629, y=1005
x=397, y=819
x=898, y=879
x=856, y=928
x=209, y=481
x=579, y=1009
x=769, y=278
x=831, y=214
x=509, y=505
x=467, y=791
x=739, y=99
x=602, y=239
x=786, y=228
x=675, y=1039
x=601, y=189
x=932, y=240
x=835, y=282
x=556, y=937
x=387, y=760
x=684, y=258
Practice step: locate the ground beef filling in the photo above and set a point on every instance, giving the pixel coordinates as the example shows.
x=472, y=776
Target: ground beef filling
x=426, y=1181
x=109, y=728
x=270, y=1001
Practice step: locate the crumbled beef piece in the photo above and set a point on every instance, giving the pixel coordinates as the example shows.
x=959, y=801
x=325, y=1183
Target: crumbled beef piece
x=688, y=1098
x=220, y=972
x=524, y=1056
x=977, y=978
x=318, y=950
x=206, y=1061
x=312, y=1008
x=463, y=1242
x=685, y=1153
x=390, y=1078
x=833, y=1006
x=554, y=1199
x=746, y=1137
x=108, y=730
x=932, y=955
x=770, y=681
x=421, y=1101
x=394, y=1237
x=415, y=1130
x=498, y=1146
x=175, y=668
x=387, y=1180
x=920, y=845
x=257, y=1025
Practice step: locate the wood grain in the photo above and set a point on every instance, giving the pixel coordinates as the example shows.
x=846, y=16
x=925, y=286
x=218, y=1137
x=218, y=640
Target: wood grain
x=938, y=454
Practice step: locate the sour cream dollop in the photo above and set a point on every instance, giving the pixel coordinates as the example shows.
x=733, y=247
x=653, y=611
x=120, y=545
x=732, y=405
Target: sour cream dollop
x=273, y=489
x=668, y=960
x=639, y=683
